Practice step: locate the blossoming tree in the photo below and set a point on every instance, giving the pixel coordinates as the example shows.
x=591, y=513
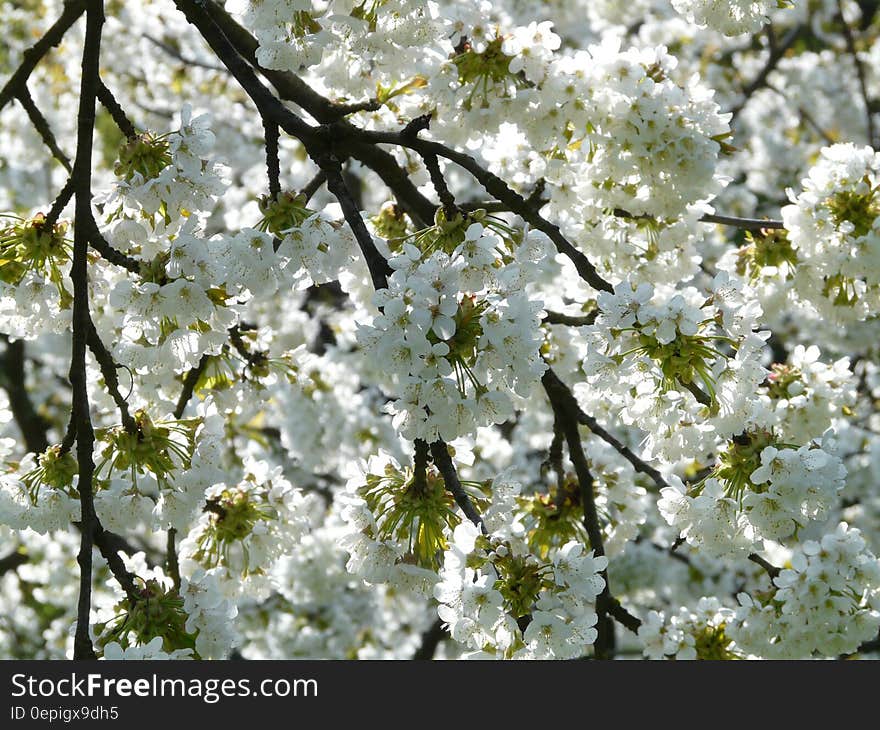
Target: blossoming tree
x=439, y=329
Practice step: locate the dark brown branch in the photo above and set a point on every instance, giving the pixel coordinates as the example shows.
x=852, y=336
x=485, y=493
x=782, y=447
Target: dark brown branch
x=171, y=563
x=769, y=568
x=108, y=370
x=368, y=105
x=565, y=410
x=554, y=459
x=313, y=185
x=443, y=462
x=437, y=180
x=571, y=320
x=420, y=465
x=637, y=463
x=752, y=224
x=189, y=386
x=622, y=616
x=271, y=109
x=41, y=124
x=105, y=96
x=376, y=263
x=701, y=397
x=103, y=247
x=81, y=321
x=430, y=640
x=109, y=544
x=33, y=426
x=416, y=205
x=291, y=88
x=500, y=190
x=33, y=55
x=535, y=200
x=12, y=561
x=273, y=165
x=61, y=201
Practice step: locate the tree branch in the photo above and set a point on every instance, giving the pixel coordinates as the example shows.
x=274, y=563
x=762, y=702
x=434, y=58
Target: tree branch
x=273, y=165
x=773, y=59
x=770, y=569
x=376, y=263
x=33, y=426
x=105, y=96
x=12, y=561
x=444, y=464
x=108, y=370
x=103, y=247
x=430, y=640
x=571, y=320
x=565, y=410
x=499, y=189
x=79, y=275
x=291, y=88
x=189, y=386
x=41, y=124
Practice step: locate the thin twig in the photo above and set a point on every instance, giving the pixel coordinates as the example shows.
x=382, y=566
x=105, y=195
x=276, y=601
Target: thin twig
x=376, y=263
x=313, y=185
x=41, y=124
x=770, y=569
x=103, y=247
x=443, y=462
x=437, y=180
x=105, y=96
x=189, y=386
x=273, y=165
x=640, y=465
x=746, y=223
x=774, y=57
x=569, y=319
x=566, y=411
x=177, y=55
x=60, y=203
x=111, y=381
x=430, y=640
x=12, y=561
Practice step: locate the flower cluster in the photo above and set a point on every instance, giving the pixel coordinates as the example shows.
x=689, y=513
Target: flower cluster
x=689, y=634
x=827, y=603
x=834, y=228
x=808, y=396
x=689, y=364
x=502, y=601
x=245, y=528
x=731, y=17
x=315, y=248
x=650, y=145
x=457, y=334
x=759, y=489
x=34, y=287
x=400, y=521
x=166, y=177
